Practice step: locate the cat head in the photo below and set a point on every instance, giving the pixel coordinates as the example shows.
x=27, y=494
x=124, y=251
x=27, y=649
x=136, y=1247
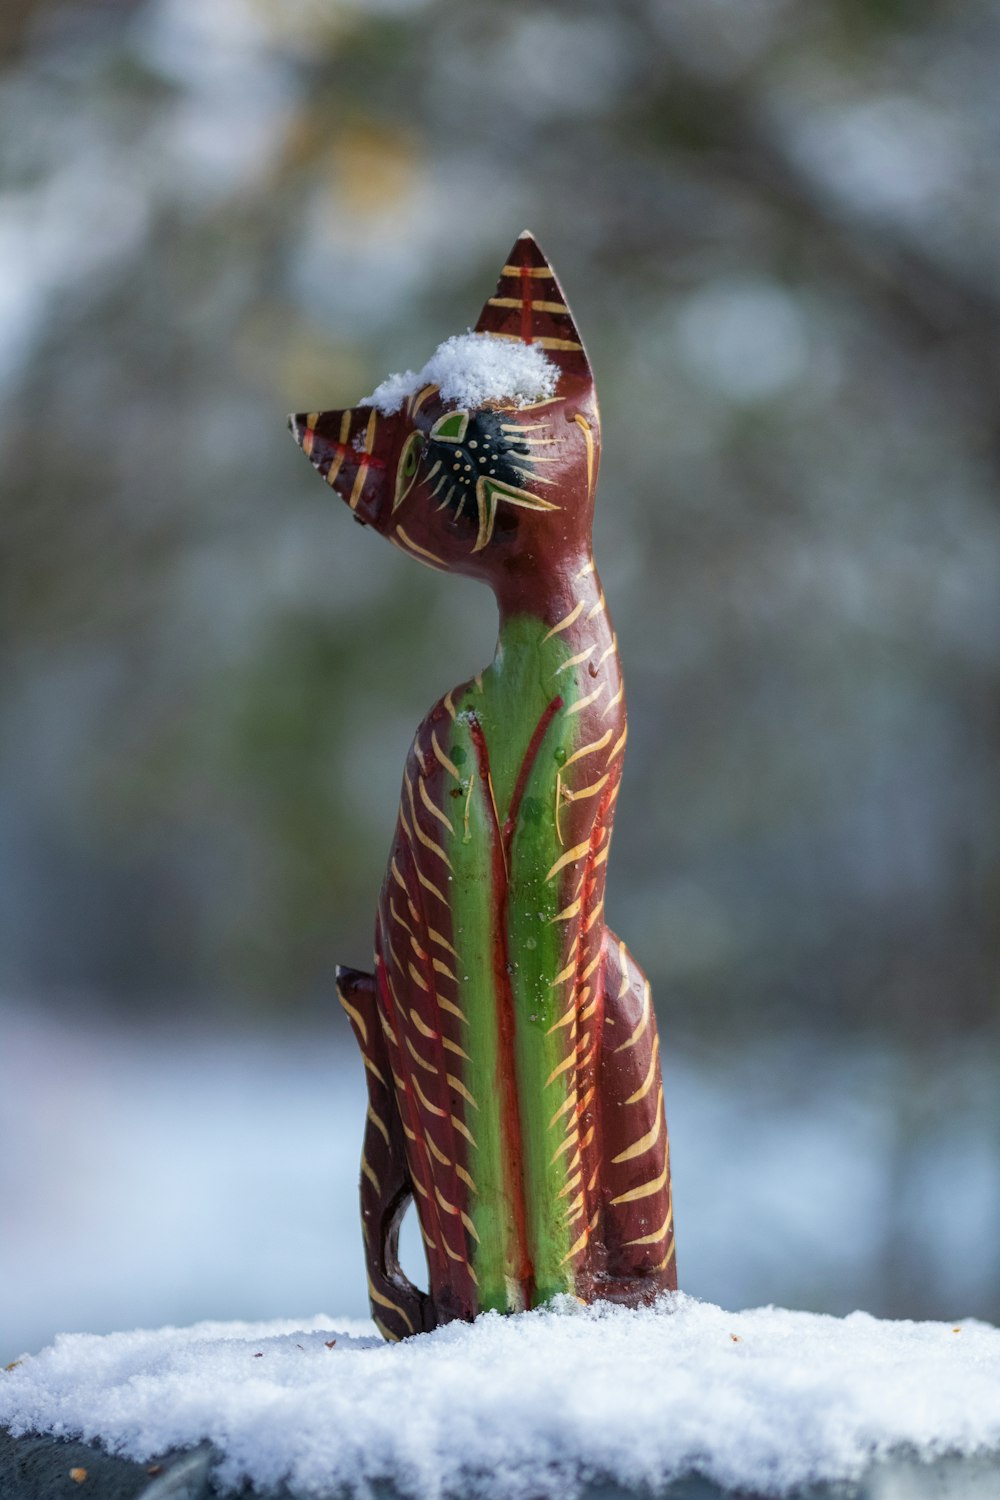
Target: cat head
x=485, y=463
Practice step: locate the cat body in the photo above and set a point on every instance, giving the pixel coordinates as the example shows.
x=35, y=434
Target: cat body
x=509, y=1037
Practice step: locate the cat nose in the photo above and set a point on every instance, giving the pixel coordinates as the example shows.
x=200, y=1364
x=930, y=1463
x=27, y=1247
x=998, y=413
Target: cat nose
x=304, y=429
x=325, y=437
x=339, y=445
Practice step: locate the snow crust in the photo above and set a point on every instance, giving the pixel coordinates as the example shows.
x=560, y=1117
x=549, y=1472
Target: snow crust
x=533, y=1406
x=472, y=368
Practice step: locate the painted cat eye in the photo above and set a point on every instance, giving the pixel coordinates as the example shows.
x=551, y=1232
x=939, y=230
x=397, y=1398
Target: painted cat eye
x=406, y=470
x=451, y=428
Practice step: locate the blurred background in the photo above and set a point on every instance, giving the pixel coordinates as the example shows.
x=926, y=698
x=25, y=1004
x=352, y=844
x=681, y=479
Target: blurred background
x=778, y=224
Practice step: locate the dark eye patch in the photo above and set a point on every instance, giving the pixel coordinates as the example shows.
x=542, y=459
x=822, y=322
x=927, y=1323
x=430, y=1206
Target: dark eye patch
x=485, y=449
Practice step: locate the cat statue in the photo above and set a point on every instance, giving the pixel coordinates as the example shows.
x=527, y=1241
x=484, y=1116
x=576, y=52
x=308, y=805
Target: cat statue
x=509, y=1038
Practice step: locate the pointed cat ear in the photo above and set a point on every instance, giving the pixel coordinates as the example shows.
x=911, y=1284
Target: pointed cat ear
x=529, y=305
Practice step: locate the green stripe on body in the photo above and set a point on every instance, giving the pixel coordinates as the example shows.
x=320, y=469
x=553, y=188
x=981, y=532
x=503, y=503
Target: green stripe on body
x=516, y=690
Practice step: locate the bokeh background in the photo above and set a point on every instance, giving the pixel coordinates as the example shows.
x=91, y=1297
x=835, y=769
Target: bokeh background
x=778, y=223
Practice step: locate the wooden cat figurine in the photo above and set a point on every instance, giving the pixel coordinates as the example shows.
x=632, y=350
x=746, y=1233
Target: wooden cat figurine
x=508, y=1035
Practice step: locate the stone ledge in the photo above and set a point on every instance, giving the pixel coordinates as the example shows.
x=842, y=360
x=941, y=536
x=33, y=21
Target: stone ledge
x=38, y=1467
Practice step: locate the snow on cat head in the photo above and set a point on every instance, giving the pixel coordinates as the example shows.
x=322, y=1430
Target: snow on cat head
x=471, y=369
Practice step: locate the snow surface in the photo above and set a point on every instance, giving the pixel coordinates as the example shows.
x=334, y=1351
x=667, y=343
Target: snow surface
x=472, y=368
x=537, y=1405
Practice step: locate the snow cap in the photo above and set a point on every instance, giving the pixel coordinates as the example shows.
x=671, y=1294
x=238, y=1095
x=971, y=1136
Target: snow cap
x=471, y=369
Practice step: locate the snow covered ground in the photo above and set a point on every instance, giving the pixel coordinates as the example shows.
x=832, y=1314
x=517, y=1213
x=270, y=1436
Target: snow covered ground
x=537, y=1406
x=169, y=1176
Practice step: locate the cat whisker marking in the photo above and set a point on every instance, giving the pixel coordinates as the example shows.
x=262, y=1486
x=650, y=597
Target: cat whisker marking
x=539, y=478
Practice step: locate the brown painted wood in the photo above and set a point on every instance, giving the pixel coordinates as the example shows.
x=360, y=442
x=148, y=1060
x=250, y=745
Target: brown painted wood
x=514, y=1080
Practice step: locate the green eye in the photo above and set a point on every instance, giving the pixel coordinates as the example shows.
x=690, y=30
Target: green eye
x=451, y=428
x=409, y=462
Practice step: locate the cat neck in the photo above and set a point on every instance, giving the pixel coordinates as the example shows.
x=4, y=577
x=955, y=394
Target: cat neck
x=553, y=594
x=563, y=617
x=556, y=649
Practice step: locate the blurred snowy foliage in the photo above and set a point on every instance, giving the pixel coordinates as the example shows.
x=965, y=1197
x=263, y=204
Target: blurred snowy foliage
x=777, y=224
x=778, y=227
